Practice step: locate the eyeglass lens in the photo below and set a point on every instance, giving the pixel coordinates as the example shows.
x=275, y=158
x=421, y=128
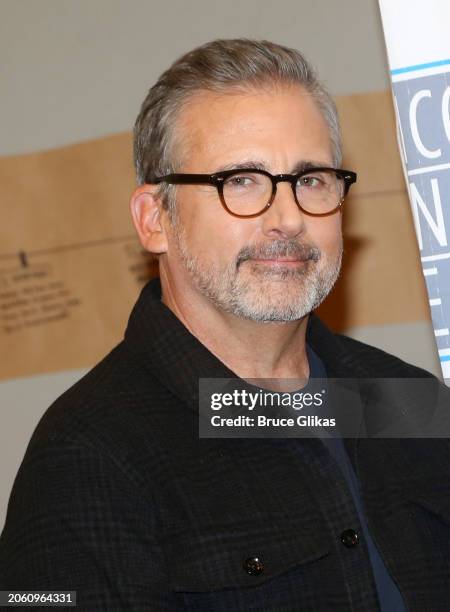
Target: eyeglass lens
x=247, y=193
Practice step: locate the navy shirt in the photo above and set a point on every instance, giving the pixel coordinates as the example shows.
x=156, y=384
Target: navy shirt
x=388, y=592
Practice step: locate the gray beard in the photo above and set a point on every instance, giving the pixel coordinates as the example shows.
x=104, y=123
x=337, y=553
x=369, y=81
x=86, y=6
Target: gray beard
x=253, y=292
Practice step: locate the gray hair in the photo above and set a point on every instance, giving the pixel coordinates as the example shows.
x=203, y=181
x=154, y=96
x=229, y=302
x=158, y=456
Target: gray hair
x=218, y=66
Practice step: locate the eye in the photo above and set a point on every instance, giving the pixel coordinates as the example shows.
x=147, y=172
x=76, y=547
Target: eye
x=313, y=181
x=239, y=180
x=245, y=181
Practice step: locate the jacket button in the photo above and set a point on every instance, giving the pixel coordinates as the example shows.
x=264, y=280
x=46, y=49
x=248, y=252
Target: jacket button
x=349, y=537
x=253, y=566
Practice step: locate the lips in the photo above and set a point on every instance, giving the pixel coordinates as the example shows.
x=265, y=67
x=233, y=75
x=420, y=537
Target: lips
x=278, y=252
x=280, y=260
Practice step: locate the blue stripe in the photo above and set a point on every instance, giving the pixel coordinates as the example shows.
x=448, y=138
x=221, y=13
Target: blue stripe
x=445, y=358
x=421, y=66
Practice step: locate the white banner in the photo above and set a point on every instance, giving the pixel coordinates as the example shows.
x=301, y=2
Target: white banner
x=417, y=34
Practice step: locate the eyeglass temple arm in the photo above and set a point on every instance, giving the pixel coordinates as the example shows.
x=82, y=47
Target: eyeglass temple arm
x=187, y=179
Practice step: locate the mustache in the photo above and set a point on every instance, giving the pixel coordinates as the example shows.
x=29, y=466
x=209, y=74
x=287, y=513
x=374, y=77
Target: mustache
x=279, y=248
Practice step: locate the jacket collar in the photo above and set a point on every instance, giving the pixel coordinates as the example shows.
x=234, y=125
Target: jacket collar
x=178, y=359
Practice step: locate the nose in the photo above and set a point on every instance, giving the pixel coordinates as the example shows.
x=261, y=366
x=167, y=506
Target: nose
x=283, y=219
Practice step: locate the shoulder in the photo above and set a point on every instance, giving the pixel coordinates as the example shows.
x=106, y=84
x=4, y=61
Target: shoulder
x=379, y=362
x=347, y=357
x=112, y=409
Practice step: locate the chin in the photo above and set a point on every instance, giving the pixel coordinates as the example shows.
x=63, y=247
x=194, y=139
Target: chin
x=266, y=308
x=279, y=300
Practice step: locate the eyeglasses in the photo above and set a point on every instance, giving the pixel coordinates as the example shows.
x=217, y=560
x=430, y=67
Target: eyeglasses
x=249, y=192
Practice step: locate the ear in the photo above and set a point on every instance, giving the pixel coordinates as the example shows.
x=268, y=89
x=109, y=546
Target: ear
x=146, y=209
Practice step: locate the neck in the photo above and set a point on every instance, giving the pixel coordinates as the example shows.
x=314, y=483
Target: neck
x=251, y=349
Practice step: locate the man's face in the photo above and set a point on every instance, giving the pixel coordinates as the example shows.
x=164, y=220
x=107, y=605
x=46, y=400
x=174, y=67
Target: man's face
x=274, y=267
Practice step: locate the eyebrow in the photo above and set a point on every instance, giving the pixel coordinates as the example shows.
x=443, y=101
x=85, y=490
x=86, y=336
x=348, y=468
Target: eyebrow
x=308, y=164
x=300, y=166
x=242, y=165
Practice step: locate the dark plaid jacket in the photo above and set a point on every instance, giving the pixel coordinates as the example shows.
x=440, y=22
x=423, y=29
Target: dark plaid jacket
x=118, y=499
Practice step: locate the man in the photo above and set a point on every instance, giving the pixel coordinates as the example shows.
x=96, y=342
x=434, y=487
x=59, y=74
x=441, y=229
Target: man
x=238, y=156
